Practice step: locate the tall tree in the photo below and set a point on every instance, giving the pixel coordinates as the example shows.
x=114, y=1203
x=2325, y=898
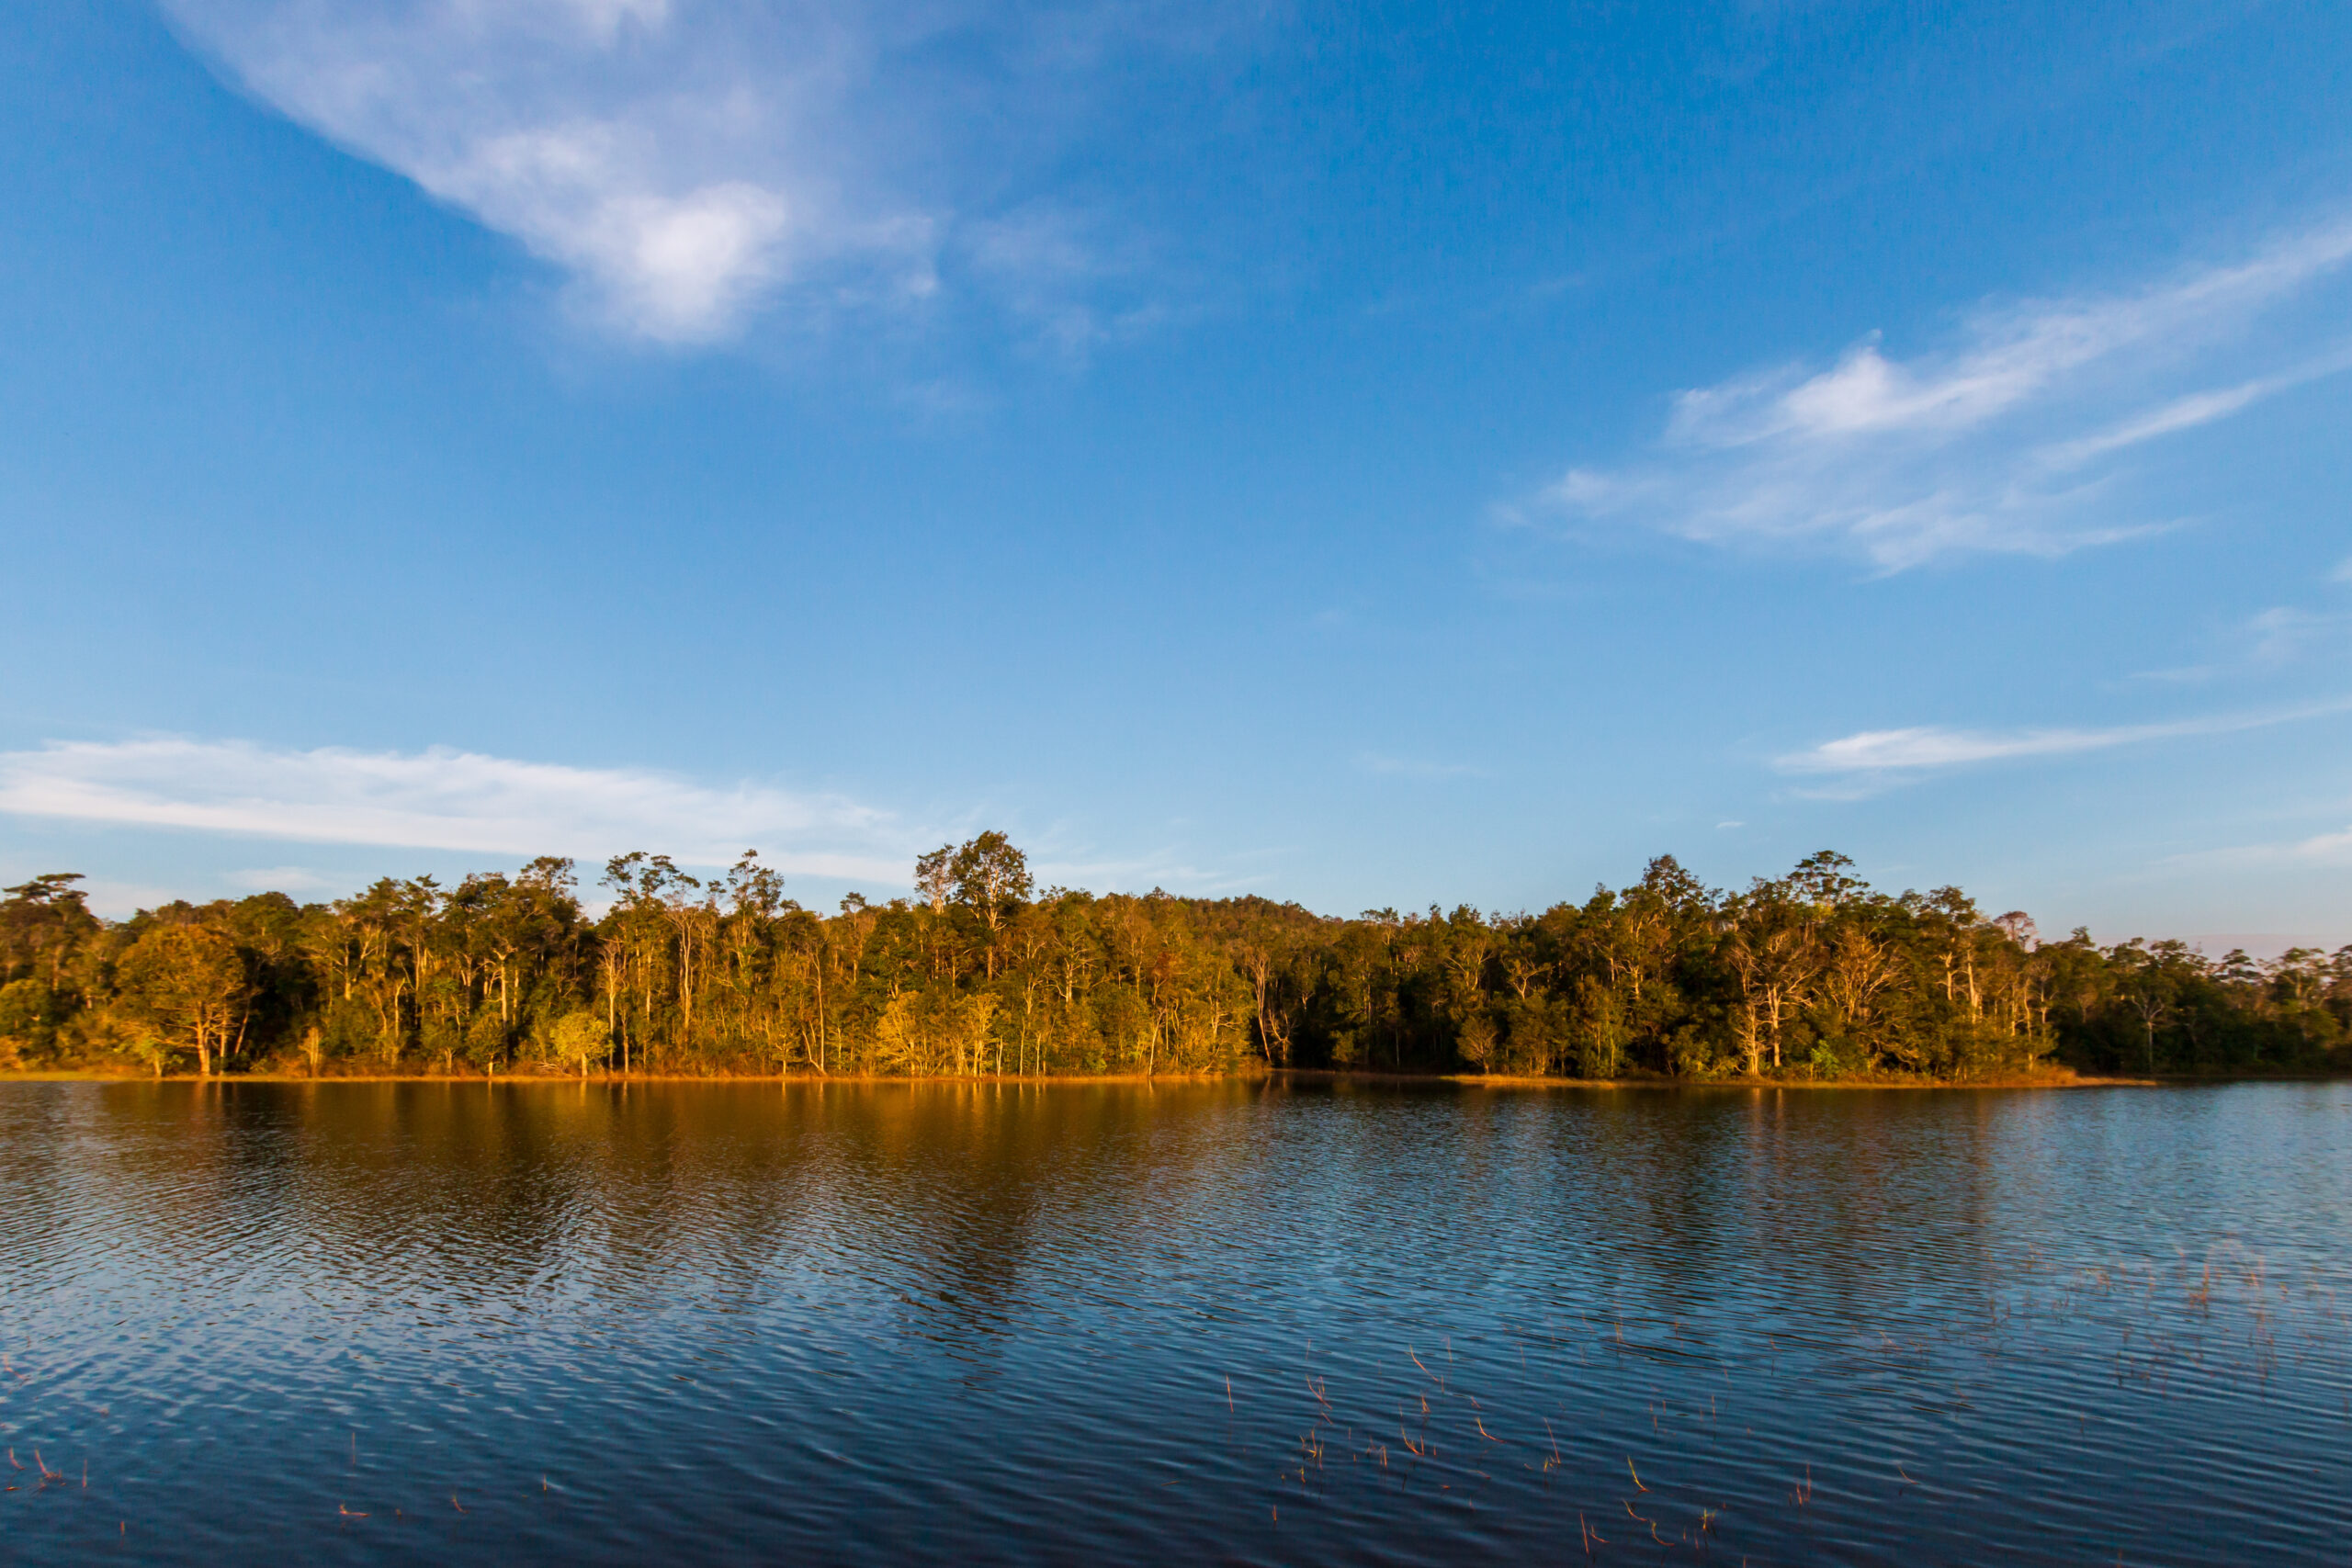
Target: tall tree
x=190, y=980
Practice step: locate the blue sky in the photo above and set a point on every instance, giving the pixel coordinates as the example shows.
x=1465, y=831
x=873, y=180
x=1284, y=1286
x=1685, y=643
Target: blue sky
x=1429, y=454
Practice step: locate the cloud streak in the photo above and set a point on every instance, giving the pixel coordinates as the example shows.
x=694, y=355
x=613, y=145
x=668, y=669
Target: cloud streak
x=2330, y=847
x=445, y=799
x=1414, y=767
x=1929, y=747
x=2009, y=439
x=686, y=162
x=2323, y=849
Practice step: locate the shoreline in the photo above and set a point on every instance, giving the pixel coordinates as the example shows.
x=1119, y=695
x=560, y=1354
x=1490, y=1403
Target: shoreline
x=2057, y=1079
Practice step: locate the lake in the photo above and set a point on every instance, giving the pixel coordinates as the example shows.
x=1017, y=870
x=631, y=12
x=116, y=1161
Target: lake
x=1221, y=1321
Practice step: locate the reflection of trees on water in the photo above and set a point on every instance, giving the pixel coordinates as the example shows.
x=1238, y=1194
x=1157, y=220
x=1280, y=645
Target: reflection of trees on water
x=850, y=1312
x=451, y=1201
x=1713, y=1208
x=945, y=1211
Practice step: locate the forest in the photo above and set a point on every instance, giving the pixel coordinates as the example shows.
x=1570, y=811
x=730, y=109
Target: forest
x=1810, y=976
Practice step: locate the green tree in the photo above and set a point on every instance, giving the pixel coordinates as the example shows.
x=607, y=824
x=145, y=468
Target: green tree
x=190, y=981
x=578, y=1039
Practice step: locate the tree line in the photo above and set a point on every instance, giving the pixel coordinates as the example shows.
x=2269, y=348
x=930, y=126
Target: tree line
x=1812, y=976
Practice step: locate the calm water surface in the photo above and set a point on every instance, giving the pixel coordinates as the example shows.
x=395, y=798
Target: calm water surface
x=881, y=1324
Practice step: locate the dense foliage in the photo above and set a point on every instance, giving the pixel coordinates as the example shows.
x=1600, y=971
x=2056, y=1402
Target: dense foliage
x=1812, y=976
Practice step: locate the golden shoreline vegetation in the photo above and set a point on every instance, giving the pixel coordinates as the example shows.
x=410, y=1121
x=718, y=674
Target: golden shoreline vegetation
x=1811, y=978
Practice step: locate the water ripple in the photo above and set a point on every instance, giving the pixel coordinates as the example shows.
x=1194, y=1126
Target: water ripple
x=1241, y=1323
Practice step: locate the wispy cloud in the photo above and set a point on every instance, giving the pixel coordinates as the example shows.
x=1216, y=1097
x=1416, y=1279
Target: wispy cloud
x=1414, y=767
x=1925, y=748
x=2314, y=850
x=281, y=879
x=2285, y=634
x=686, y=160
x=2271, y=640
x=2330, y=847
x=1067, y=854
x=2010, y=439
x=1047, y=266
x=1166, y=868
x=447, y=800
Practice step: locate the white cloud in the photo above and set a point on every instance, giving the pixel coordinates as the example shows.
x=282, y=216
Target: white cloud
x=1931, y=746
x=686, y=160
x=1925, y=748
x=2006, y=441
x=447, y=800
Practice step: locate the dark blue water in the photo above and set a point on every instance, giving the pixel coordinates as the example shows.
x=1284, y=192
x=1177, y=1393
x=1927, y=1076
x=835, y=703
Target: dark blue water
x=885, y=1324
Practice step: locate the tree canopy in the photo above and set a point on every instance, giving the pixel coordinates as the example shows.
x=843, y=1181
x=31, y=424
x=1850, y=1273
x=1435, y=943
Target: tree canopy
x=1812, y=976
